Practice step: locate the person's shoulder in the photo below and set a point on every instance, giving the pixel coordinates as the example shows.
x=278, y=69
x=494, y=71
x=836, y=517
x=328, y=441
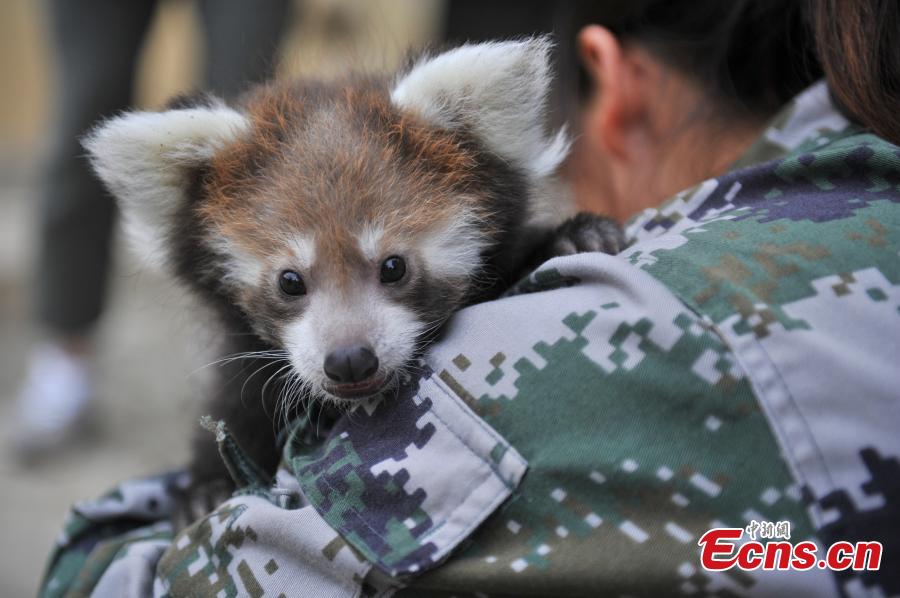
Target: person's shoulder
x=770, y=233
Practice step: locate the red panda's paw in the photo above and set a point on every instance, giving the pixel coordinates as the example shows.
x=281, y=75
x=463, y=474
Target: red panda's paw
x=585, y=232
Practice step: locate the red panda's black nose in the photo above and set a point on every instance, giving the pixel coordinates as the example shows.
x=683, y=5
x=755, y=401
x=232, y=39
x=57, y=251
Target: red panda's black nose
x=351, y=364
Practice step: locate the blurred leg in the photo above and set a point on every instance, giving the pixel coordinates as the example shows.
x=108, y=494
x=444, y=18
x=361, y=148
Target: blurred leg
x=242, y=40
x=96, y=44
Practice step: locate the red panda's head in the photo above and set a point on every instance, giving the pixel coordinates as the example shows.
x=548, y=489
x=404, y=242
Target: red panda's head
x=343, y=222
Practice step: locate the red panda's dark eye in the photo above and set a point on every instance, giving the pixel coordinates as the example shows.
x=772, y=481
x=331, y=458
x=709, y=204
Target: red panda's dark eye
x=393, y=269
x=291, y=283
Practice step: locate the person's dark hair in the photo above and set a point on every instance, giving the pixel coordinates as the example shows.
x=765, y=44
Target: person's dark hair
x=858, y=44
x=753, y=56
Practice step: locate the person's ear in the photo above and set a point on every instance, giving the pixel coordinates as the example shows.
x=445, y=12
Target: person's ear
x=618, y=110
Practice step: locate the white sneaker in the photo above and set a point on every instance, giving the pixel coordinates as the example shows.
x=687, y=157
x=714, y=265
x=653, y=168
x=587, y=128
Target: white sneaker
x=53, y=402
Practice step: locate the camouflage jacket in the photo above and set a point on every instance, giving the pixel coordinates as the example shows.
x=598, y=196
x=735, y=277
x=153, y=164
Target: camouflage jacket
x=737, y=365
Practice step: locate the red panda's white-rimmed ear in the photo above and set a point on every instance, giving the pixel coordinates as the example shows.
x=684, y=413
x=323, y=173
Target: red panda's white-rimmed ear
x=146, y=160
x=498, y=90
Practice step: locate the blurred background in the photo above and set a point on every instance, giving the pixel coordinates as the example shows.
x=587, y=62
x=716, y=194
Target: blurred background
x=147, y=342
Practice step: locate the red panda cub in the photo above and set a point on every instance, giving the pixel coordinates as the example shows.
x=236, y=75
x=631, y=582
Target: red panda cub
x=334, y=227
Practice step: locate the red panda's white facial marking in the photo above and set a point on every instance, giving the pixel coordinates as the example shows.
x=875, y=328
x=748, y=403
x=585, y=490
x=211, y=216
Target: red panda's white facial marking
x=302, y=248
x=369, y=240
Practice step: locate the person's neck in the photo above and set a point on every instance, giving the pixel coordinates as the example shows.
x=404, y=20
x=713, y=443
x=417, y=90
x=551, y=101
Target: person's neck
x=695, y=154
x=620, y=190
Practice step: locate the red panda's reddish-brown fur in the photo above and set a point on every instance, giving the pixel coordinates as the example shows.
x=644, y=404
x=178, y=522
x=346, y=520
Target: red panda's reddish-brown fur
x=336, y=156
